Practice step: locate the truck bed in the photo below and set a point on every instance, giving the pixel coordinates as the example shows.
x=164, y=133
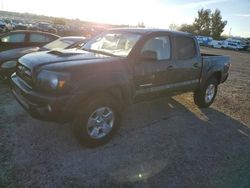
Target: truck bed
x=213, y=58
x=215, y=63
x=204, y=54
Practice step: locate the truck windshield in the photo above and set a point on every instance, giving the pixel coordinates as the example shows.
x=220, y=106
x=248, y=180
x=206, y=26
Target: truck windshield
x=116, y=44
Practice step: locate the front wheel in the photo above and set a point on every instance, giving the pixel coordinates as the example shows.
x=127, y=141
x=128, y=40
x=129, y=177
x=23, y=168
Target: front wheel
x=205, y=96
x=97, y=122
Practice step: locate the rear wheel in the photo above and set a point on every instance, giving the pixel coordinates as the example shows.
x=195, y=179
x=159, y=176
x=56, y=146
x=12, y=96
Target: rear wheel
x=97, y=122
x=205, y=96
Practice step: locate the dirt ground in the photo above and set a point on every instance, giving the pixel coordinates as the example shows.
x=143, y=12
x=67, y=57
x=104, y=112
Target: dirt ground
x=167, y=142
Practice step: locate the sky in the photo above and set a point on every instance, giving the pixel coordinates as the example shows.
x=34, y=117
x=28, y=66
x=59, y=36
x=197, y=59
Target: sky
x=153, y=13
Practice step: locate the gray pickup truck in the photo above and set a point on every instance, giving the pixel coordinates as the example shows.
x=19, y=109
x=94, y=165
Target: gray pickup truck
x=91, y=86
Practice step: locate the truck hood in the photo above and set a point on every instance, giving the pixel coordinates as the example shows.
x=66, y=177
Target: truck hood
x=38, y=59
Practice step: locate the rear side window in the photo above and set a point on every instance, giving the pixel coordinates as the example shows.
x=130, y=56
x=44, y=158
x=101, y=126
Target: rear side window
x=185, y=48
x=49, y=38
x=39, y=38
x=19, y=37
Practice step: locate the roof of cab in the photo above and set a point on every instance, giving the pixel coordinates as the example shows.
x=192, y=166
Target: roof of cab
x=74, y=38
x=30, y=31
x=149, y=31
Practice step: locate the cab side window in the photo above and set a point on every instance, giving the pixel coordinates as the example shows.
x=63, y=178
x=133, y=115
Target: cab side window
x=160, y=45
x=185, y=47
x=13, y=38
x=49, y=38
x=37, y=38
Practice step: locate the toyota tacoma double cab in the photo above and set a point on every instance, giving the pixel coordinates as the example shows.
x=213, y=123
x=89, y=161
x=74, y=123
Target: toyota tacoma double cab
x=91, y=86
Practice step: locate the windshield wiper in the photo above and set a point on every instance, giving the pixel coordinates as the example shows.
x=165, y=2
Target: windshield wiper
x=100, y=52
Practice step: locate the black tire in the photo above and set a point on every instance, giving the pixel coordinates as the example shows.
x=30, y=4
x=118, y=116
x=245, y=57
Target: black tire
x=80, y=123
x=200, y=94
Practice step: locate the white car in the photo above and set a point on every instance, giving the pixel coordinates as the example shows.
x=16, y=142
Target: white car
x=204, y=40
x=216, y=43
x=234, y=45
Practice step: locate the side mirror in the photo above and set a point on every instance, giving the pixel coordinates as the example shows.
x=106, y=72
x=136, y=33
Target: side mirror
x=149, y=55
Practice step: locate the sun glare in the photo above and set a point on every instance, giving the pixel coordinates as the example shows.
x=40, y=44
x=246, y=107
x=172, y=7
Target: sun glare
x=152, y=12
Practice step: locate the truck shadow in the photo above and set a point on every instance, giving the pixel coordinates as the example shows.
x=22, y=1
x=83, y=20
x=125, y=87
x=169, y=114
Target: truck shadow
x=167, y=142
x=182, y=146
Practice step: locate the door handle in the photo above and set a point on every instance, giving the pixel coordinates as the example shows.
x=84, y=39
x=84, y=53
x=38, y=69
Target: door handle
x=170, y=67
x=146, y=85
x=196, y=65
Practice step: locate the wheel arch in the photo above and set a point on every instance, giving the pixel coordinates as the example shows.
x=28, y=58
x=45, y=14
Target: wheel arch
x=121, y=94
x=217, y=75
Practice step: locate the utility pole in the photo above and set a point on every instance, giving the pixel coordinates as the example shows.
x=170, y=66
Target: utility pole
x=230, y=31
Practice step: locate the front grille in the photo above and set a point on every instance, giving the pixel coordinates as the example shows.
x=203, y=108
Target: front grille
x=24, y=73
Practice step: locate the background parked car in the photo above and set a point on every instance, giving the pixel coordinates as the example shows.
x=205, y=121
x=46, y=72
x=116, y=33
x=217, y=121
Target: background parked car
x=27, y=38
x=216, y=43
x=9, y=58
x=204, y=40
x=235, y=44
x=21, y=27
x=43, y=26
x=2, y=26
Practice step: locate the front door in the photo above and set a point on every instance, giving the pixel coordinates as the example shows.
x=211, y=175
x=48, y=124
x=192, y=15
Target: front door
x=154, y=75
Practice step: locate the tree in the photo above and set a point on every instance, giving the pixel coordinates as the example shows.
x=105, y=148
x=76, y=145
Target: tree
x=217, y=25
x=173, y=27
x=207, y=23
x=202, y=23
x=187, y=28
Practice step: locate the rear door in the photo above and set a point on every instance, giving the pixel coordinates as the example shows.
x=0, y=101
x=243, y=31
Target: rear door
x=187, y=64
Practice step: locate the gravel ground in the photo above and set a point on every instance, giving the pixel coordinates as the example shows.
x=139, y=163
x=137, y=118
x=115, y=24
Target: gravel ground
x=167, y=142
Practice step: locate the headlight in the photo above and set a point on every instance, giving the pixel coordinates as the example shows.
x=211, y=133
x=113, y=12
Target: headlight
x=9, y=64
x=50, y=81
